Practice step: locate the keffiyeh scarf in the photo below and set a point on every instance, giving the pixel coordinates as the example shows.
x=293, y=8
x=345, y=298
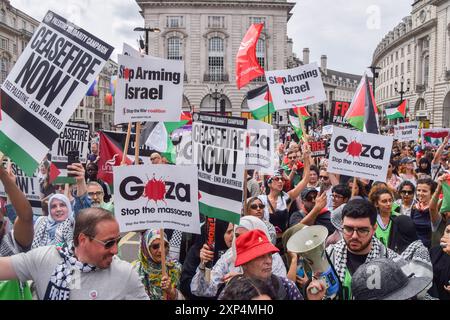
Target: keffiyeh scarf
x=62, y=279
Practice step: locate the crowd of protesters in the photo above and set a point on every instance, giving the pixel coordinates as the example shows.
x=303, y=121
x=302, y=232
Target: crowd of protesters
x=398, y=226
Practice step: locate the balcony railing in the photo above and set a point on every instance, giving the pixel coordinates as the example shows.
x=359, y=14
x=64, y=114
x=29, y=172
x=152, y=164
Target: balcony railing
x=215, y=77
x=26, y=34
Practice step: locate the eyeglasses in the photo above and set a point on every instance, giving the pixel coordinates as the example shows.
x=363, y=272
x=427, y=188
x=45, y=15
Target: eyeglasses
x=256, y=206
x=362, y=232
x=292, y=158
x=108, y=244
x=406, y=192
x=323, y=177
x=156, y=246
x=335, y=195
x=153, y=159
x=97, y=193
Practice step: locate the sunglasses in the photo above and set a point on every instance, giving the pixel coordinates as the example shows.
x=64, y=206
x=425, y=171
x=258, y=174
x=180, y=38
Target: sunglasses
x=406, y=192
x=292, y=158
x=156, y=246
x=153, y=159
x=276, y=179
x=256, y=206
x=323, y=177
x=108, y=244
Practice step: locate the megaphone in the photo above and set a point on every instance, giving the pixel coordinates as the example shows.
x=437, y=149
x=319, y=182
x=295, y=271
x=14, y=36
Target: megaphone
x=310, y=244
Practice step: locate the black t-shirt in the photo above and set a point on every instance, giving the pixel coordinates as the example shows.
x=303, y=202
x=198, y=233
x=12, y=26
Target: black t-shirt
x=354, y=261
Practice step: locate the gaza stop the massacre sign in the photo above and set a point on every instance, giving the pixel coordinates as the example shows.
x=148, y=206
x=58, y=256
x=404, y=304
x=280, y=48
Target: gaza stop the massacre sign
x=156, y=196
x=43, y=89
x=358, y=154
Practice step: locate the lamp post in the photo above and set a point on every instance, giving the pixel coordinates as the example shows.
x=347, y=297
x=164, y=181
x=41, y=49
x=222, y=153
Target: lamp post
x=147, y=30
x=401, y=91
x=216, y=95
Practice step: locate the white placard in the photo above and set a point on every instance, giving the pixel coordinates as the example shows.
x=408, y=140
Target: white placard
x=301, y=86
x=327, y=130
x=156, y=196
x=407, y=131
x=261, y=147
x=148, y=89
x=358, y=154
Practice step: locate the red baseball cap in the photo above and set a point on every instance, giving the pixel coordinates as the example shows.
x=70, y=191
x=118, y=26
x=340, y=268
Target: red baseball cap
x=252, y=245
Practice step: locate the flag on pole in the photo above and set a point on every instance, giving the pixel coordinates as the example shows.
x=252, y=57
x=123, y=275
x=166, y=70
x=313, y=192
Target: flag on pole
x=260, y=102
x=295, y=115
x=247, y=66
x=93, y=90
x=363, y=113
x=110, y=155
x=396, y=111
x=54, y=173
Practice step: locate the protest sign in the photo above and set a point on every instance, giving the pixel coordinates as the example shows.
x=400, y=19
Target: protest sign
x=148, y=89
x=407, y=131
x=260, y=147
x=28, y=185
x=74, y=137
x=318, y=148
x=433, y=137
x=327, y=130
x=219, y=146
x=358, y=154
x=43, y=89
x=183, y=146
x=156, y=196
x=338, y=111
x=301, y=86
x=111, y=147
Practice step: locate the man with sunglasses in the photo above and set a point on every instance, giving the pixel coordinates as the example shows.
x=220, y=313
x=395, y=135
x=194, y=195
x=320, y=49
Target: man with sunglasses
x=87, y=269
x=359, y=244
x=292, y=169
x=17, y=238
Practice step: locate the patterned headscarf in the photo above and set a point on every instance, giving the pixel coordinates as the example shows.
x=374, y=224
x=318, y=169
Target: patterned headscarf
x=150, y=271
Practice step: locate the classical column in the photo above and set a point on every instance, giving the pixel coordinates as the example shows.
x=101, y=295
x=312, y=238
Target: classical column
x=419, y=62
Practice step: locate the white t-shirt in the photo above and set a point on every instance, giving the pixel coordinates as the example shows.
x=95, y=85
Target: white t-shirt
x=119, y=282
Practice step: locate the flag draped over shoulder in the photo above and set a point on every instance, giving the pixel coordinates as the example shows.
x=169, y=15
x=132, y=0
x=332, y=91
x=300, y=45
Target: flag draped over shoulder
x=260, y=102
x=247, y=66
x=396, y=111
x=295, y=116
x=363, y=113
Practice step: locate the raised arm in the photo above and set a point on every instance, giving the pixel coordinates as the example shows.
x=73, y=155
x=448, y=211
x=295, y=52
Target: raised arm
x=310, y=218
x=294, y=193
x=434, y=208
x=23, y=226
x=438, y=153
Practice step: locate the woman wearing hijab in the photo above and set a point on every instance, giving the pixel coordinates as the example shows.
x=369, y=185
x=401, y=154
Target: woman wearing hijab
x=441, y=268
x=225, y=268
x=59, y=210
x=255, y=207
x=150, y=270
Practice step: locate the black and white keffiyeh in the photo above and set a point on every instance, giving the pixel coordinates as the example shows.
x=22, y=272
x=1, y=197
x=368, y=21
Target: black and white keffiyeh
x=62, y=278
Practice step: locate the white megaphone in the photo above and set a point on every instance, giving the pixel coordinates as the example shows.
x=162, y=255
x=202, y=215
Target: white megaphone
x=310, y=244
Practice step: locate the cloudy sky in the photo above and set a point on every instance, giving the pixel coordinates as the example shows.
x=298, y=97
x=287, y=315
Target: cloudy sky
x=347, y=31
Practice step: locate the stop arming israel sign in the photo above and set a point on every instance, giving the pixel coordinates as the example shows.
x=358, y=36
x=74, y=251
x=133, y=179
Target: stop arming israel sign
x=408, y=131
x=156, y=196
x=148, y=89
x=301, y=86
x=358, y=154
x=43, y=89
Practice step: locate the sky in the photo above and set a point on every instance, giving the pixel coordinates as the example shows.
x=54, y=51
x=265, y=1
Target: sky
x=347, y=31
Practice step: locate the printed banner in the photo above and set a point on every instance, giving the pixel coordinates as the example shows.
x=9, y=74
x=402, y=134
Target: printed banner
x=338, y=111
x=156, y=196
x=75, y=136
x=219, y=147
x=318, y=148
x=260, y=147
x=433, y=137
x=183, y=146
x=28, y=185
x=358, y=154
x=148, y=89
x=43, y=89
x=407, y=131
x=301, y=86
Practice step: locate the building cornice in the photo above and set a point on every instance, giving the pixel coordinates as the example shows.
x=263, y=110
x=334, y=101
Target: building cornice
x=437, y=2
x=407, y=36
x=240, y=4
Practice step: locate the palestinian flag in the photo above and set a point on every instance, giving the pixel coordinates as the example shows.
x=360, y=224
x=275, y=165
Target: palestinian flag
x=156, y=135
x=260, y=102
x=445, y=207
x=294, y=119
x=396, y=111
x=363, y=113
x=54, y=172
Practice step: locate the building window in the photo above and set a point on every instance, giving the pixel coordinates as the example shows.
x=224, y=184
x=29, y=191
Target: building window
x=396, y=55
x=402, y=52
x=408, y=66
x=14, y=22
x=174, y=48
x=409, y=48
x=174, y=22
x=396, y=71
x=257, y=20
x=402, y=69
x=391, y=91
x=426, y=68
x=261, y=52
x=15, y=49
x=216, y=22
x=4, y=43
x=392, y=73
x=4, y=69
x=215, y=58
